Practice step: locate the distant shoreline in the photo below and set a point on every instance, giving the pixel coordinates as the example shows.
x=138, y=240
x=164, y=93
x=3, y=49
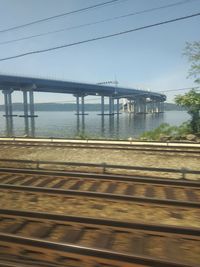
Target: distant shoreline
x=72, y=107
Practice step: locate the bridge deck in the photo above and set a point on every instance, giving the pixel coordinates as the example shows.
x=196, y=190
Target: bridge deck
x=57, y=86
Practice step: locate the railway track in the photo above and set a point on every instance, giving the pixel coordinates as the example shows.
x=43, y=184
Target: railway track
x=44, y=239
x=149, y=148
x=115, y=187
x=39, y=239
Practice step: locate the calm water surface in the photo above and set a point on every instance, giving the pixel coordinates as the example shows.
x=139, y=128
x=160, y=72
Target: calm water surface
x=66, y=124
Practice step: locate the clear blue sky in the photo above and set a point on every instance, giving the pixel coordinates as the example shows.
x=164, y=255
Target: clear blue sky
x=149, y=59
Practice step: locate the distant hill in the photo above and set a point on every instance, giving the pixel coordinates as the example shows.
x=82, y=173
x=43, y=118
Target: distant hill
x=171, y=106
x=72, y=107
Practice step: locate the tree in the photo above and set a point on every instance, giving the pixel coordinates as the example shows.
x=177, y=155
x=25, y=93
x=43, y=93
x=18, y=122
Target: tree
x=191, y=100
x=192, y=51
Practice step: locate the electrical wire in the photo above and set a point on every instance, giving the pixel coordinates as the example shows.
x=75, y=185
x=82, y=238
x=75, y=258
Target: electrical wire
x=61, y=15
x=97, y=22
x=100, y=37
x=180, y=89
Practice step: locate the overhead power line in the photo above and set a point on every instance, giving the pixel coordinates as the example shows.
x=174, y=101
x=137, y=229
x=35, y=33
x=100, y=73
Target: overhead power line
x=100, y=37
x=97, y=22
x=60, y=15
x=179, y=89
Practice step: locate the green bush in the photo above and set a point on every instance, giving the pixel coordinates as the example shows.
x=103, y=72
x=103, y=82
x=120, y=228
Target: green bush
x=167, y=130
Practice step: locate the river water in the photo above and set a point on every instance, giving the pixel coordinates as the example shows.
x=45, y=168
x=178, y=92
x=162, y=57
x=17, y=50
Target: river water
x=66, y=124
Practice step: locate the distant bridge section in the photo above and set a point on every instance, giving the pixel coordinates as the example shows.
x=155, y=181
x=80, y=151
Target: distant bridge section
x=134, y=100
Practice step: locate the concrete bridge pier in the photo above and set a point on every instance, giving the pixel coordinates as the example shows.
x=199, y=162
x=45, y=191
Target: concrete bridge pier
x=150, y=106
x=117, y=107
x=102, y=113
x=129, y=105
x=80, y=111
x=162, y=106
x=136, y=106
x=111, y=125
x=111, y=105
x=77, y=105
x=25, y=103
x=117, y=119
x=77, y=125
x=32, y=112
x=29, y=112
x=102, y=125
x=124, y=105
x=158, y=106
x=142, y=105
x=154, y=106
x=145, y=106
x=80, y=104
x=102, y=106
x=8, y=111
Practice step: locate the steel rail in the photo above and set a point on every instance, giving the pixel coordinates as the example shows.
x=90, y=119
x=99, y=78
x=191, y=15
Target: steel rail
x=4, y=262
x=104, y=143
x=111, y=254
x=56, y=191
x=113, y=183
x=183, y=143
x=146, y=148
x=193, y=231
x=20, y=263
x=105, y=166
x=106, y=177
x=91, y=252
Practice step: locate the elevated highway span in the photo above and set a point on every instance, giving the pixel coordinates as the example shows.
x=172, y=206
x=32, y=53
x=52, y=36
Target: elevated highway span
x=136, y=101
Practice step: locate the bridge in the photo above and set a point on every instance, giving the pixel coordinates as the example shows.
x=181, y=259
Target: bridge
x=136, y=101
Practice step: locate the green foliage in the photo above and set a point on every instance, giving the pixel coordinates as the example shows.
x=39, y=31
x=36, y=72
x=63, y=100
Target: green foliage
x=191, y=101
x=192, y=51
x=165, y=130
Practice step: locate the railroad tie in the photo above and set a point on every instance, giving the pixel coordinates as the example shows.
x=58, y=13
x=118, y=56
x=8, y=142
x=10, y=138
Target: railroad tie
x=137, y=245
x=130, y=190
x=77, y=185
x=15, y=179
x=94, y=187
x=73, y=235
x=45, y=182
x=60, y=183
x=173, y=248
x=150, y=192
x=5, y=178
x=170, y=193
x=44, y=231
x=30, y=181
x=104, y=239
x=111, y=188
x=16, y=227
x=191, y=195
